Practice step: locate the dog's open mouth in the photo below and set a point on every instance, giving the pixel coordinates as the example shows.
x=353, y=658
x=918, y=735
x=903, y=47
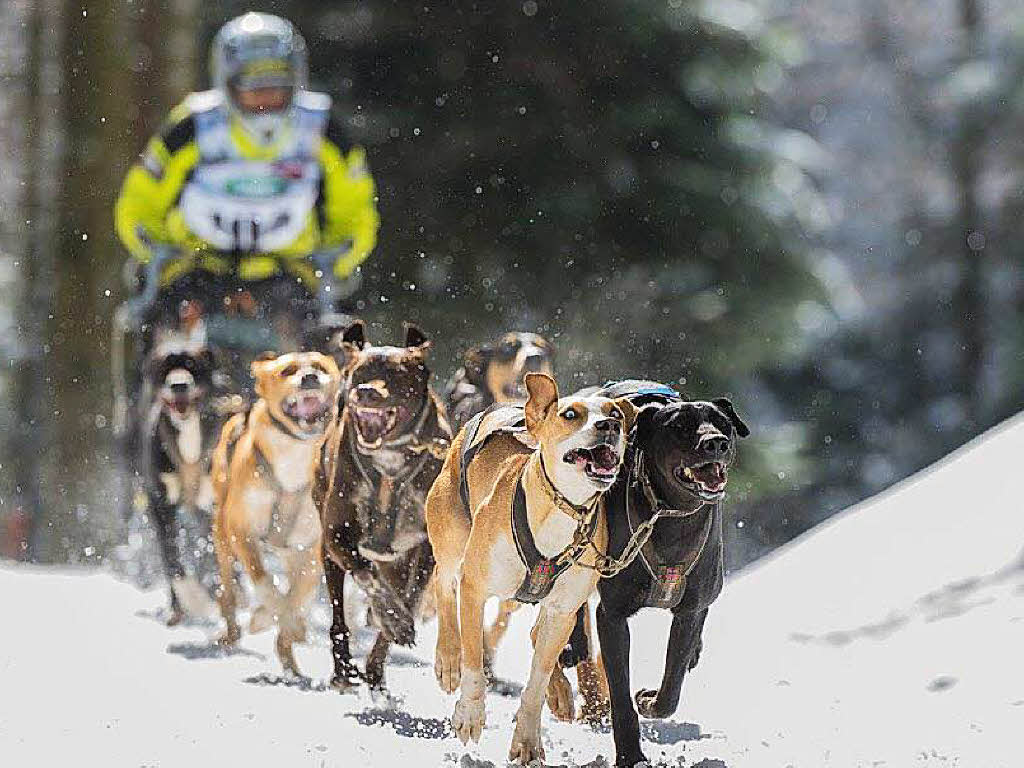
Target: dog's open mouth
x=307, y=409
x=373, y=424
x=179, y=404
x=600, y=463
x=705, y=480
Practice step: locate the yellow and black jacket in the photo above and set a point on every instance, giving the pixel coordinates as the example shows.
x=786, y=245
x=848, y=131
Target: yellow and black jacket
x=232, y=205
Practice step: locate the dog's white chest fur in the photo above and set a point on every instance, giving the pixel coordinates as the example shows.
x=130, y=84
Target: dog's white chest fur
x=293, y=460
x=190, y=437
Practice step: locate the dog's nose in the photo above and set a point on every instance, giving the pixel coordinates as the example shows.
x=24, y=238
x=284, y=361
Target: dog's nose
x=367, y=394
x=608, y=425
x=310, y=381
x=179, y=387
x=713, y=446
x=533, y=362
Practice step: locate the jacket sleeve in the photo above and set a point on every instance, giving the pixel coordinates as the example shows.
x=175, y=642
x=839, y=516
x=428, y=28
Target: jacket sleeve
x=348, y=207
x=153, y=184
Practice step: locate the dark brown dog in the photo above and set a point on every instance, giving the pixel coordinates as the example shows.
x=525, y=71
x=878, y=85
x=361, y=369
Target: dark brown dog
x=493, y=373
x=379, y=460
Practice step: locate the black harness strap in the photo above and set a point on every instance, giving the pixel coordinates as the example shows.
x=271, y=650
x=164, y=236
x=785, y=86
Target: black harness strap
x=542, y=572
x=668, y=579
x=282, y=427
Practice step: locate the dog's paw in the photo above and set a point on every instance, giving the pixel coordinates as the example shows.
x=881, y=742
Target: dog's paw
x=346, y=678
x=286, y=655
x=262, y=619
x=596, y=711
x=397, y=624
x=293, y=627
x=448, y=668
x=572, y=654
x=468, y=718
x=647, y=704
x=559, y=697
x=526, y=746
x=230, y=637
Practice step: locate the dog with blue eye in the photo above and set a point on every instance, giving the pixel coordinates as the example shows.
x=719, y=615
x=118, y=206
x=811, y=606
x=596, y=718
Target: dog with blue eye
x=517, y=513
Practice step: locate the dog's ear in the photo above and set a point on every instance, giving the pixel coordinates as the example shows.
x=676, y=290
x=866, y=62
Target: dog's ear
x=329, y=363
x=476, y=362
x=629, y=412
x=206, y=365
x=543, y=397
x=724, y=404
x=415, y=338
x=207, y=358
x=258, y=369
x=355, y=335
x=644, y=422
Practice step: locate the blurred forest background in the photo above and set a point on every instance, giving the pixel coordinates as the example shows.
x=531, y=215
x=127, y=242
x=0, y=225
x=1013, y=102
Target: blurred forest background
x=811, y=206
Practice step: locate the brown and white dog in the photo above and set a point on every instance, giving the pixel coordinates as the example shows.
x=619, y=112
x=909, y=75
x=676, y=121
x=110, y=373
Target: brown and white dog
x=493, y=373
x=262, y=478
x=554, y=491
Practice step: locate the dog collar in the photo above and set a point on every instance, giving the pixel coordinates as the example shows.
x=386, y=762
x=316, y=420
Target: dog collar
x=575, y=511
x=647, y=487
x=282, y=427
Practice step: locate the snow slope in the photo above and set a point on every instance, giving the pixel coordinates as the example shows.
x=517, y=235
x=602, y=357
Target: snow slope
x=891, y=636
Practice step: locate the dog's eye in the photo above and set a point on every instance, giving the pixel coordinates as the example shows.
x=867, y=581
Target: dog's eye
x=569, y=414
x=290, y=370
x=615, y=413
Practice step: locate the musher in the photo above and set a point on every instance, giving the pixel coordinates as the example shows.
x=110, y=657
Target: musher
x=252, y=183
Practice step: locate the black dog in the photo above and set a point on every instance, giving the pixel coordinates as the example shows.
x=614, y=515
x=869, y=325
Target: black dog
x=181, y=431
x=676, y=465
x=493, y=373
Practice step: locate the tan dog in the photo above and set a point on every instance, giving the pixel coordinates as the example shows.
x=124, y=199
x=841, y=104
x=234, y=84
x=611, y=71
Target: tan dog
x=262, y=476
x=556, y=491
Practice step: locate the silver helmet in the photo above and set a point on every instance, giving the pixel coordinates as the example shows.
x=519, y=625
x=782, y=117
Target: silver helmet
x=253, y=52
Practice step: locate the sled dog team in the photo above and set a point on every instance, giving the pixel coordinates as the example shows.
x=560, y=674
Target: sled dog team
x=346, y=465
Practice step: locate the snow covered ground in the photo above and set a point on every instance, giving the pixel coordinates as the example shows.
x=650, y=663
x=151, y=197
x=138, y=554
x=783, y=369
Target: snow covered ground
x=890, y=636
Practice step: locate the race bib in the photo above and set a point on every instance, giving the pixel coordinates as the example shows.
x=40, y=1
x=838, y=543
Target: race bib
x=250, y=206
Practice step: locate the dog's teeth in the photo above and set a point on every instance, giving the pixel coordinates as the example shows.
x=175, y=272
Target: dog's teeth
x=688, y=473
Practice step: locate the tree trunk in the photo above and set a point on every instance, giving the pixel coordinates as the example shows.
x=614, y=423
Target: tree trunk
x=969, y=300
x=33, y=390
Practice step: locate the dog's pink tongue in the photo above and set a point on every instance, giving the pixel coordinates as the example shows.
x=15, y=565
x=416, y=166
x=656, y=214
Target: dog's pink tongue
x=309, y=407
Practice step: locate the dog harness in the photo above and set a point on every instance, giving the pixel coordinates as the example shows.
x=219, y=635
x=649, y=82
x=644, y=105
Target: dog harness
x=541, y=571
x=236, y=203
x=390, y=487
x=516, y=424
x=668, y=579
